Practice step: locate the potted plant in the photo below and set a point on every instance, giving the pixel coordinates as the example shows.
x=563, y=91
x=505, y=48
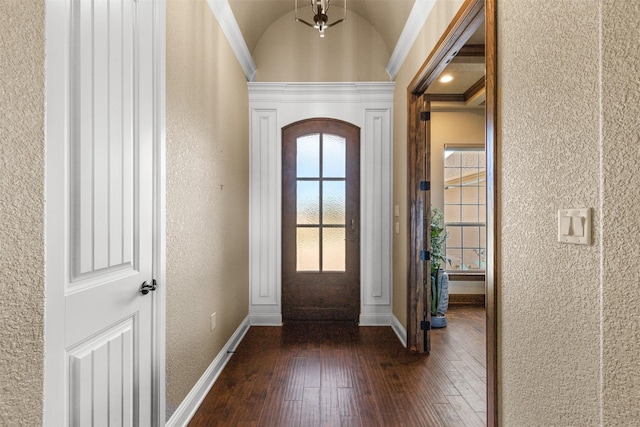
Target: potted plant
x=439, y=277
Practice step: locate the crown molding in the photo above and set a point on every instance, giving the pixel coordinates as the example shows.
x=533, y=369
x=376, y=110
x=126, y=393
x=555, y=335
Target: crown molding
x=223, y=14
x=332, y=93
x=417, y=18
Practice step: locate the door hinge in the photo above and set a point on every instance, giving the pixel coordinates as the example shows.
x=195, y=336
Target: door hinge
x=425, y=325
x=425, y=116
x=425, y=185
x=425, y=255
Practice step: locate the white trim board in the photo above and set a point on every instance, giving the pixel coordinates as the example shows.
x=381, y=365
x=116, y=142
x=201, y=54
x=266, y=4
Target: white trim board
x=227, y=21
x=275, y=105
x=400, y=331
x=191, y=403
x=415, y=22
x=160, y=215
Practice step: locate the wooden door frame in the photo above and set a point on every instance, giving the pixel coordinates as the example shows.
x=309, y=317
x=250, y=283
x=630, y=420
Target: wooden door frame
x=471, y=15
x=418, y=150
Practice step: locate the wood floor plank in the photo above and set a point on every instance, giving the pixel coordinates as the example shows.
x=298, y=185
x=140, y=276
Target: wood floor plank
x=311, y=407
x=469, y=417
x=477, y=383
x=313, y=371
x=328, y=374
x=448, y=415
x=290, y=415
x=477, y=402
x=347, y=402
x=295, y=380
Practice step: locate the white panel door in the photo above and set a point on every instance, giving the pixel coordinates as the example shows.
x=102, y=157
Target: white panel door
x=108, y=198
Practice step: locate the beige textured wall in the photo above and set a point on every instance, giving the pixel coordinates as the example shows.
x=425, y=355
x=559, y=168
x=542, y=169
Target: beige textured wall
x=621, y=214
x=22, y=58
x=555, y=342
x=207, y=194
x=289, y=51
x=437, y=22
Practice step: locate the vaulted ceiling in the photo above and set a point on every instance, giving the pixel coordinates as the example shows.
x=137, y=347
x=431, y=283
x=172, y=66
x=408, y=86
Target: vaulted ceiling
x=388, y=17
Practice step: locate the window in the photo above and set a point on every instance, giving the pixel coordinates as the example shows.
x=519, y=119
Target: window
x=465, y=208
x=321, y=203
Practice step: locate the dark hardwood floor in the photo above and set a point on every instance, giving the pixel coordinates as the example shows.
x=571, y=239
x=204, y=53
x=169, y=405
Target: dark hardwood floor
x=339, y=374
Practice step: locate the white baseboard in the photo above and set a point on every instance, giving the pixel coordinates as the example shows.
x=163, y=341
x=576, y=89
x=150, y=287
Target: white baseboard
x=266, y=319
x=374, y=319
x=400, y=331
x=191, y=403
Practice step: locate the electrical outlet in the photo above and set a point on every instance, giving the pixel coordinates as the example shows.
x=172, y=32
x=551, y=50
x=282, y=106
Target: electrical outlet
x=213, y=321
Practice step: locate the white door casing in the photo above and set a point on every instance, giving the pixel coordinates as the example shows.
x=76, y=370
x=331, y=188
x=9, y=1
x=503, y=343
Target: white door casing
x=104, y=141
x=275, y=105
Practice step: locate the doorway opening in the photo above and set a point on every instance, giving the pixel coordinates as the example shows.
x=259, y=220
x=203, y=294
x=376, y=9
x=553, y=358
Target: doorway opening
x=473, y=15
x=321, y=220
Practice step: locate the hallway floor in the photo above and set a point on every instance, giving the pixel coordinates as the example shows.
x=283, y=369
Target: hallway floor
x=337, y=374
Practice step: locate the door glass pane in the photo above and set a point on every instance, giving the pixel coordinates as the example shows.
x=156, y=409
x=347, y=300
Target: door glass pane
x=333, y=156
x=308, y=156
x=333, y=249
x=333, y=202
x=308, y=249
x=308, y=202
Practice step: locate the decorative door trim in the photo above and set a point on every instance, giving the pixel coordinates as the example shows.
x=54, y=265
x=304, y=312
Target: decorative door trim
x=275, y=105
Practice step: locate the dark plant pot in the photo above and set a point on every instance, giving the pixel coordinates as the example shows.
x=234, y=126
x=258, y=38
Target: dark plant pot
x=439, y=321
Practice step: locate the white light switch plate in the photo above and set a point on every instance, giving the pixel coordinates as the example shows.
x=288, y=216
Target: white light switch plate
x=574, y=226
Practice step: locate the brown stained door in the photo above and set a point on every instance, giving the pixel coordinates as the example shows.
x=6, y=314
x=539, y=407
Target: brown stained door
x=321, y=220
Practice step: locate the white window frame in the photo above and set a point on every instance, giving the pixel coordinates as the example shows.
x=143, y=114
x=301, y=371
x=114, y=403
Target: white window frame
x=481, y=224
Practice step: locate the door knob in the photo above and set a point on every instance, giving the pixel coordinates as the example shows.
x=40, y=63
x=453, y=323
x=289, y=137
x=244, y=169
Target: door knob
x=146, y=287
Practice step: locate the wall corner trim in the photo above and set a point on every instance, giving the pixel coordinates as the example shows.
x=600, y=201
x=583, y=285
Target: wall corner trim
x=417, y=18
x=224, y=15
x=400, y=331
x=191, y=403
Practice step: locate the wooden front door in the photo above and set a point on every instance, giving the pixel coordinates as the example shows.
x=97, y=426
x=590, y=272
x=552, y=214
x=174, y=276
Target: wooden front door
x=320, y=220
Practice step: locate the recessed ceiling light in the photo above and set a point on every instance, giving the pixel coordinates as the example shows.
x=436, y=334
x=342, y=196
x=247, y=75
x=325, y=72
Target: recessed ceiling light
x=446, y=78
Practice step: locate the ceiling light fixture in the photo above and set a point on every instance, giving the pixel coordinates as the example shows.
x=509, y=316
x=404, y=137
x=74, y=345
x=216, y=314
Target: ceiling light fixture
x=319, y=8
x=446, y=78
